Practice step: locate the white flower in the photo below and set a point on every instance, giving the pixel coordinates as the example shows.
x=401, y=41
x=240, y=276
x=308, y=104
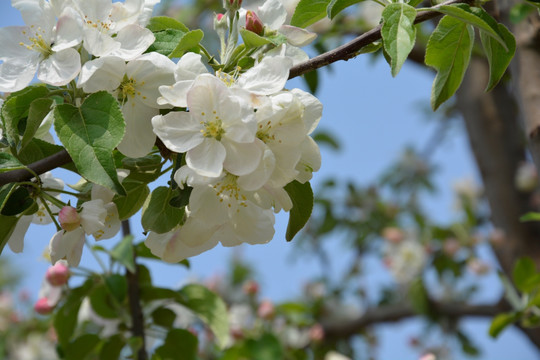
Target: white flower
x=405, y=260
x=39, y=46
x=333, y=355
x=35, y=346
x=136, y=84
x=114, y=29
x=109, y=327
x=217, y=133
x=526, y=177
x=112, y=223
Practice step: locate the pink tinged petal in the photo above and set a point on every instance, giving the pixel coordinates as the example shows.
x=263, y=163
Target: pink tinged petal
x=67, y=244
x=98, y=43
x=139, y=138
x=69, y=30
x=242, y=158
x=268, y=77
x=189, y=67
x=16, y=76
x=273, y=14
x=175, y=94
x=16, y=240
x=133, y=40
x=112, y=223
x=60, y=68
x=256, y=179
x=105, y=73
x=178, y=130
x=297, y=36
x=207, y=158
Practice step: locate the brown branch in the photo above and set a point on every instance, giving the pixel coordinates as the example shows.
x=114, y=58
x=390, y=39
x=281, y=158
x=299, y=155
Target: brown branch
x=350, y=49
x=134, y=295
x=39, y=167
x=393, y=313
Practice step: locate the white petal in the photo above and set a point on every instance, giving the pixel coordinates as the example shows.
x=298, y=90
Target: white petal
x=207, y=158
x=105, y=73
x=112, y=223
x=312, y=109
x=207, y=205
x=178, y=130
x=189, y=67
x=102, y=193
x=254, y=225
x=11, y=38
x=93, y=216
x=16, y=240
x=35, y=12
x=60, y=68
x=98, y=43
x=175, y=94
x=95, y=10
x=297, y=36
x=294, y=53
x=267, y=77
x=261, y=174
x=273, y=14
x=68, y=244
x=69, y=30
x=205, y=95
x=310, y=161
x=242, y=158
x=139, y=138
x=134, y=40
x=15, y=76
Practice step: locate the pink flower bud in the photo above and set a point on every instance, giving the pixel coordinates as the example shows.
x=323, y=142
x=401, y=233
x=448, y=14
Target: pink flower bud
x=69, y=218
x=233, y=5
x=43, y=307
x=251, y=287
x=393, y=234
x=253, y=23
x=266, y=310
x=58, y=274
x=219, y=17
x=316, y=333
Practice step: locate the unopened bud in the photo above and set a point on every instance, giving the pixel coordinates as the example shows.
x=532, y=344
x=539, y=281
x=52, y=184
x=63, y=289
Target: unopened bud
x=58, y=274
x=253, y=23
x=393, y=234
x=316, y=333
x=232, y=5
x=43, y=307
x=69, y=218
x=266, y=310
x=220, y=22
x=251, y=287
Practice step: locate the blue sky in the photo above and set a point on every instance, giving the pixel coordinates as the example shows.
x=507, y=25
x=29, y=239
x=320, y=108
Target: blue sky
x=375, y=117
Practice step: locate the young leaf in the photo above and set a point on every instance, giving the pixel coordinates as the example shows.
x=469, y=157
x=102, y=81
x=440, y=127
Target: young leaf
x=159, y=23
x=530, y=216
x=473, y=16
x=524, y=275
x=38, y=149
x=308, y=12
x=82, y=346
x=136, y=194
x=398, y=33
x=166, y=41
x=253, y=40
x=448, y=51
x=90, y=134
x=500, y=322
x=337, y=6
x=209, y=307
x=39, y=108
x=189, y=41
x=302, y=199
x=123, y=253
x=158, y=215
x=7, y=224
x=112, y=348
x=497, y=56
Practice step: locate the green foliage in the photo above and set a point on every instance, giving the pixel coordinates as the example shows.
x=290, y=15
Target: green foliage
x=252, y=40
x=309, y=12
x=166, y=41
x=90, y=134
x=7, y=224
x=337, y=6
x=398, y=33
x=525, y=276
x=178, y=341
x=123, y=253
x=209, y=307
x=136, y=194
x=190, y=41
x=500, y=322
x=448, y=52
x=9, y=162
x=158, y=215
x=302, y=199
x=81, y=347
x=159, y=23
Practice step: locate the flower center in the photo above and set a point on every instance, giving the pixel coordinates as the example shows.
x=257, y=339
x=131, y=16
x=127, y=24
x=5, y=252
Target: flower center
x=263, y=132
x=227, y=190
x=37, y=43
x=213, y=128
x=228, y=79
x=127, y=88
x=102, y=26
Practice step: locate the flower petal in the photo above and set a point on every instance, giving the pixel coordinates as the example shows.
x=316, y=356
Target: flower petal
x=16, y=76
x=242, y=158
x=60, y=68
x=207, y=158
x=297, y=36
x=178, y=130
x=267, y=77
x=105, y=73
x=133, y=40
x=139, y=138
x=16, y=240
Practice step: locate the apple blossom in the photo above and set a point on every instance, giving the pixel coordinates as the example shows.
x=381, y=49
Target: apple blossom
x=58, y=274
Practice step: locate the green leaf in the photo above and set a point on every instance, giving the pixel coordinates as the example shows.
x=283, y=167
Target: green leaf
x=112, y=348
x=530, y=216
x=473, y=16
x=166, y=41
x=500, y=322
x=398, y=33
x=9, y=162
x=312, y=80
x=322, y=137
x=497, y=56
x=253, y=40
x=267, y=347
x=90, y=134
x=136, y=194
x=65, y=318
x=337, y=6
x=158, y=215
x=16, y=108
x=38, y=149
x=102, y=302
x=308, y=12
x=18, y=201
x=163, y=317
x=419, y=297
x=179, y=341
x=302, y=199
x=189, y=41
x=81, y=347
x=7, y=224
x=123, y=253
x=117, y=285
x=519, y=12
x=144, y=169
x=525, y=276
x=467, y=345
x=38, y=111
x=448, y=51
x=210, y=309
x=158, y=23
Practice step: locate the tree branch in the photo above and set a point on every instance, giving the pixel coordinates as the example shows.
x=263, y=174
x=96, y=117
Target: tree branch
x=350, y=49
x=393, y=313
x=39, y=167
